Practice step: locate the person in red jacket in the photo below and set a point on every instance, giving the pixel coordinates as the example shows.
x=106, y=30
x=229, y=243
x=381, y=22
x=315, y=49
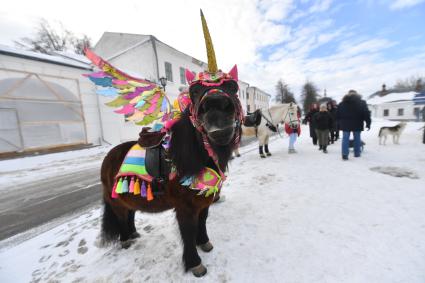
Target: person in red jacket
x=293, y=129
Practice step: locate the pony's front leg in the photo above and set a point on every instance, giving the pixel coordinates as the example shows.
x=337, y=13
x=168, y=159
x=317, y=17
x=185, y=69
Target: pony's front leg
x=202, y=239
x=266, y=146
x=260, y=150
x=188, y=224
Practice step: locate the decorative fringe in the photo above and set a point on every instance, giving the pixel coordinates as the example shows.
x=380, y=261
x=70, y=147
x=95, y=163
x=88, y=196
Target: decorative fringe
x=149, y=195
x=124, y=187
x=143, y=193
x=114, y=193
x=137, y=187
x=119, y=186
x=132, y=185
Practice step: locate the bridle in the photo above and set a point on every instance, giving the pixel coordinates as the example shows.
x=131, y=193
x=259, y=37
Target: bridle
x=198, y=124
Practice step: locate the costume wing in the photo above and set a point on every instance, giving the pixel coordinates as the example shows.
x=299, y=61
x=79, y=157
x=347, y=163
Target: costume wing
x=139, y=100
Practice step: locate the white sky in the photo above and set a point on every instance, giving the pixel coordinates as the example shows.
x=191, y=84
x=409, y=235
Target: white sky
x=239, y=28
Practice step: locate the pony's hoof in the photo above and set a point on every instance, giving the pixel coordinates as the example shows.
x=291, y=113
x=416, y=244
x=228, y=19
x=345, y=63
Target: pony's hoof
x=207, y=247
x=238, y=155
x=262, y=156
x=135, y=235
x=126, y=244
x=269, y=154
x=199, y=270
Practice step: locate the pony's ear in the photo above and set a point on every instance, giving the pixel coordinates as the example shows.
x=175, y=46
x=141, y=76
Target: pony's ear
x=234, y=72
x=189, y=76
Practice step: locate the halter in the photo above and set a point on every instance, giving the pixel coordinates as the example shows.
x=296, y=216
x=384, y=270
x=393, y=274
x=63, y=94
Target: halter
x=194, y=118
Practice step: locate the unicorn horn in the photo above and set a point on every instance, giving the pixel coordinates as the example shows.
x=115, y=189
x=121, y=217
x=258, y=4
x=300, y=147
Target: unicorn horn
x=212, y=63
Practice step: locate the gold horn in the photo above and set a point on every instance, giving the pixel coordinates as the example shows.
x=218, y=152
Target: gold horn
x=212, y=63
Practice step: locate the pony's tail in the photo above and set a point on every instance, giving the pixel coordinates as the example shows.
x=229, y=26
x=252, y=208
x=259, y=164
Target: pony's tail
x=110, y=225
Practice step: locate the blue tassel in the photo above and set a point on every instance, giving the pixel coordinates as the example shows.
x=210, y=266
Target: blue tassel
x=125, y=186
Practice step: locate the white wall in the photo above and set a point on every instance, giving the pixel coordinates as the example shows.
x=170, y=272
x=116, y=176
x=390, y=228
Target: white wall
x=177, y=60
x=258, y=99
x=408, y=106
x=243, y=89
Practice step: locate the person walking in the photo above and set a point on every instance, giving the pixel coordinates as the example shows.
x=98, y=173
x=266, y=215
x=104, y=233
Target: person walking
x=351, y=115
x=334, y=132
x=293, y=129
x=323, y=122
x=309, y=119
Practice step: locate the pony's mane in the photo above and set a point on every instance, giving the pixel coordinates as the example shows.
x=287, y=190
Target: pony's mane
x=187, y=150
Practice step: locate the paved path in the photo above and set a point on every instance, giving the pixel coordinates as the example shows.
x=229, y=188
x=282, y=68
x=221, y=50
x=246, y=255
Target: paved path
x=43, y=201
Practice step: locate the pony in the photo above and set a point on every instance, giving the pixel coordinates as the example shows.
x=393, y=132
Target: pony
x=195, y=146
x=271, y=118
x=189, y=156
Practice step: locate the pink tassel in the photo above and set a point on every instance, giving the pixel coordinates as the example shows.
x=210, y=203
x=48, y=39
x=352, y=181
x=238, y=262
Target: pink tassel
x=132, y=185
x=114, y=193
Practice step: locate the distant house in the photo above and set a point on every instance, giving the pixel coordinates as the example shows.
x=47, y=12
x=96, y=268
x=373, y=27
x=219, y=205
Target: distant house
x=397, y=106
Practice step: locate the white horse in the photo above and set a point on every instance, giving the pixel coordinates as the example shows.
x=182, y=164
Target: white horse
x=272, y=117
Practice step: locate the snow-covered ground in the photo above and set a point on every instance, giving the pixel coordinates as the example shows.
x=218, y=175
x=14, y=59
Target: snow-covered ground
x=306, y=217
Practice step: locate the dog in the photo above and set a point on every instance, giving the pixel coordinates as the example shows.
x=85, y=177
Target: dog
x=395, y=131
x=351, y=144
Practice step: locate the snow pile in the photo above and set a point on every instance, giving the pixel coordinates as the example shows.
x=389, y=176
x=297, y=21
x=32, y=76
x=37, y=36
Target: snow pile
x=306, y=217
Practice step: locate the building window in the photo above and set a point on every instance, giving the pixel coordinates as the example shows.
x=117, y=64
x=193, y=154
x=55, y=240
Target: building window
x=247, y=95
x=386, y=112
x=168, y=71
x=182, y=76
x=247, y=108
x=400, y=112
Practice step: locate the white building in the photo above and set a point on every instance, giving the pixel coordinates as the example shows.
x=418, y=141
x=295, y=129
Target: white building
x=395, y=106
x=243, y=90
x=45, y=102
x=256, y=99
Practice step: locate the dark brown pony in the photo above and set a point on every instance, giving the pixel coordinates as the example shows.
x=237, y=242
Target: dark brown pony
x=217, y=114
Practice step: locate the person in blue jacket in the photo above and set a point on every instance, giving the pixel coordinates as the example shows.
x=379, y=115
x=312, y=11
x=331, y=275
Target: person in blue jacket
x=351, y=115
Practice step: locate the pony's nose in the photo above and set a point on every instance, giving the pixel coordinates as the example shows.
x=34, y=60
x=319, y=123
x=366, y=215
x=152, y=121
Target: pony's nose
x=216, y=101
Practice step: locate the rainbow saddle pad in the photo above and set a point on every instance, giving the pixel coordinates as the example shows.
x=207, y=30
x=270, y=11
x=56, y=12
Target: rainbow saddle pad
x=133, y=178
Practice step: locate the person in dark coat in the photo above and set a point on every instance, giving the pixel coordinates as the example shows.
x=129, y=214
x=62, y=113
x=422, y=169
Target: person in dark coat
x=309, y=119
x=351, y=115
x=334, y=132
x=323, y=122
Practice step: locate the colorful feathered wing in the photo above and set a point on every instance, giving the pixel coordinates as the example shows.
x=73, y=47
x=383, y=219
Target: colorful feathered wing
x=139, y=100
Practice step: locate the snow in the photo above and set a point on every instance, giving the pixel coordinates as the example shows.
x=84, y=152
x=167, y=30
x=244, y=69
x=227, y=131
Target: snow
x=69, y=59
x=305, y=217
x=391, y=97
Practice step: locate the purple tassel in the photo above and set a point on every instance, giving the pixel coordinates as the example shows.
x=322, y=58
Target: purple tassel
x=143, y=192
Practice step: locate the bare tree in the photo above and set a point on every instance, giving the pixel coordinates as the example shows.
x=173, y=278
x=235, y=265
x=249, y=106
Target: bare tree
x=283, y=93
x=308, y=95
x=47, y=39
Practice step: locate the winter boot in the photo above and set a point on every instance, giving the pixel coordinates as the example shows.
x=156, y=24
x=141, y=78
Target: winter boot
x=320, y=147
x=325, y=150
x=345, y=157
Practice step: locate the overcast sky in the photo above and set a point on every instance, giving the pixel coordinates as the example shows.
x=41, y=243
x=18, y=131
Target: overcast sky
x=338, y=45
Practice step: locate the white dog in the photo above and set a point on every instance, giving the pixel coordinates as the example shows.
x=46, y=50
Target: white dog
x=394, y=131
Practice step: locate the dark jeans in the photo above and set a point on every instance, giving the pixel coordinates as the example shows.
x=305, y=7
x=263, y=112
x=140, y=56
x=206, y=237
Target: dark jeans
x=323, y=137
x=346, y=143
